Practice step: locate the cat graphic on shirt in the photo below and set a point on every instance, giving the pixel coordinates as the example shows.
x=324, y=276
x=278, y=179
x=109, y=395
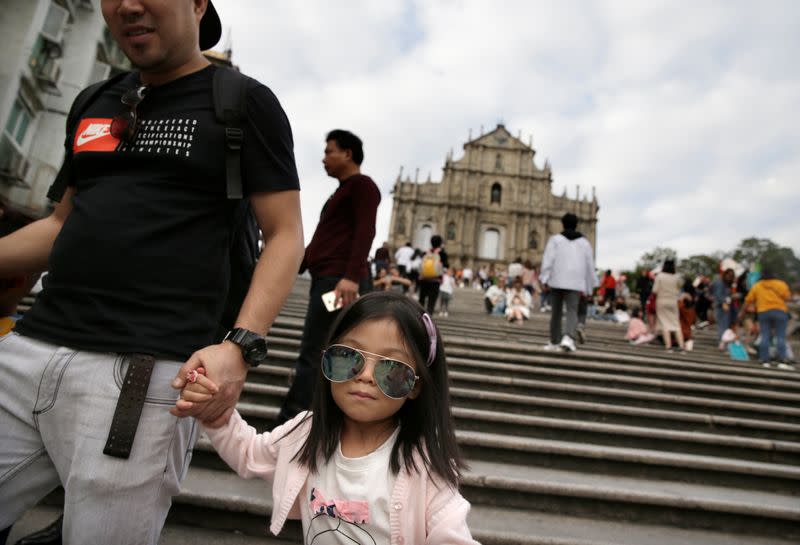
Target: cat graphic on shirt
x=349, y=514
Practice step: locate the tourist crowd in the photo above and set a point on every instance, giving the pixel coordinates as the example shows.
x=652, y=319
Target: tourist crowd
x=747, y=308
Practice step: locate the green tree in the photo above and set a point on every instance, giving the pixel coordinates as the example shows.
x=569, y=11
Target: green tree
x=651, y=260
x=750, y=250
x=782, y=260
x=697, y=265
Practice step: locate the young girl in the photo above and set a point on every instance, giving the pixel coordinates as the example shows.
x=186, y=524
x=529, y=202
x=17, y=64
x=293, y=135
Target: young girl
x=518, y=302
x=376, y=460
x=638, y=332
x=446, y=292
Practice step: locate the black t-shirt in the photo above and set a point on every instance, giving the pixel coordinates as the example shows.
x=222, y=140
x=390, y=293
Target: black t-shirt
x=141, y=263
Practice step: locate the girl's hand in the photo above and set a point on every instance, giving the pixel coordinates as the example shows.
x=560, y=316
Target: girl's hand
x=199, y=389
x=224, y=362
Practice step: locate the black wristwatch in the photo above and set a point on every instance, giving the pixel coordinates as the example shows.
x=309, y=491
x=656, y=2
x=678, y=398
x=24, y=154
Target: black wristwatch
x=253, y=345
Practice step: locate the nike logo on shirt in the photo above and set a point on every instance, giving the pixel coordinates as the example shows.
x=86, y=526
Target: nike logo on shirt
x=94, y=134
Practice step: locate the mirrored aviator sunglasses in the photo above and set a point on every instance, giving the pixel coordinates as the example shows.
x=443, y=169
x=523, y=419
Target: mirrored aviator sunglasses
x=125, y=125
x=394, y=378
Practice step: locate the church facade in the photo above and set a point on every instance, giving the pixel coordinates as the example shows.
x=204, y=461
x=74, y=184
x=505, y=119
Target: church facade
x=492, y=205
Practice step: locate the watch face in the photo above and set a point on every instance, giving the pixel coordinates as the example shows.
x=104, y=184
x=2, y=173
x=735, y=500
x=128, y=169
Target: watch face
x=256, y=351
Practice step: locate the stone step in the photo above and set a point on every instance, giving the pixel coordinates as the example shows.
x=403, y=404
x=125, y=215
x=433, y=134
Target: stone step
x=220, y=498
x=261, y=416
x=603, y=336
x=525, y=353
x=173, y=534
x=623, y=415
x=266, y=394
x=562, y=452
x=192, y=521
x=559, y=384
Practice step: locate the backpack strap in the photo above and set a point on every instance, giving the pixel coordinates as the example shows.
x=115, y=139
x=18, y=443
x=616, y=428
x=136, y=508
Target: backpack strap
x=230, y=109
x=79, y=106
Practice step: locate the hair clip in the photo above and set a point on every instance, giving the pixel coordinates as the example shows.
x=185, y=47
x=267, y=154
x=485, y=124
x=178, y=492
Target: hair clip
x=431, y=335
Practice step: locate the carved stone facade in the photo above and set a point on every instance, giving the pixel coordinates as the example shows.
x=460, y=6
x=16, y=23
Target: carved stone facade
x=493, y=205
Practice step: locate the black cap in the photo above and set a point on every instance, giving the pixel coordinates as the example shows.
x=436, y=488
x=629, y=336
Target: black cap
x=210, y=28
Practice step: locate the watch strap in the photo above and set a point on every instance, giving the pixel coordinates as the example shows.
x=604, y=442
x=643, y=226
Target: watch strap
x=240, y=336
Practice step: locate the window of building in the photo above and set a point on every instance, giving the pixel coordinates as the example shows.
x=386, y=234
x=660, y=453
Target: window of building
x=451, y=231
x=18, y=121
x=497, y=191
x=39, y=55
x=533, y=240
x=490, y=246
x=423, y=238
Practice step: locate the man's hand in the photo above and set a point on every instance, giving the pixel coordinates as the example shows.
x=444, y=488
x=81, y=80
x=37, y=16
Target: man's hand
x=226, y=368
x=346, y=292
x=545, y=288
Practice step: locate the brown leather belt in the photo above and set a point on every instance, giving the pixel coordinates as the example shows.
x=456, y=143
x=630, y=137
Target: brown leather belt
x=129, y=406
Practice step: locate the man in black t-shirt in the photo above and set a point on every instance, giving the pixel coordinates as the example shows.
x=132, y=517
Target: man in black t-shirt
x=138, y=260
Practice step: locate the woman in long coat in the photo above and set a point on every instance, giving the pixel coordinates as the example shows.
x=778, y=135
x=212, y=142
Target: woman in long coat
x=667, y=289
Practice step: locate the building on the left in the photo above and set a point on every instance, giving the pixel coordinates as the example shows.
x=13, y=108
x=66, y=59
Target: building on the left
x=51, y=50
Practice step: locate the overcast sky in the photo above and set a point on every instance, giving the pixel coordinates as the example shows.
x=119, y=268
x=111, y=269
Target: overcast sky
x=685, y=115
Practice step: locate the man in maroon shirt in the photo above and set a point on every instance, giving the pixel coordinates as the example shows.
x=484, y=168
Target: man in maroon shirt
x=336, y=258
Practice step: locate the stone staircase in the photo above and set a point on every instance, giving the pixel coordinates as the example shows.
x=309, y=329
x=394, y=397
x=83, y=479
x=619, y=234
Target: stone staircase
x=611, y=444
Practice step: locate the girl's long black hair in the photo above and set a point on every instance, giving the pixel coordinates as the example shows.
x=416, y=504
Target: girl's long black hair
x=426, y=424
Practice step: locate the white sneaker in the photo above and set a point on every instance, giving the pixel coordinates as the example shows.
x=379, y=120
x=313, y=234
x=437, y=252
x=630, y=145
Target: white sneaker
x=568, y=344
x=550, y=347
x=786, y=366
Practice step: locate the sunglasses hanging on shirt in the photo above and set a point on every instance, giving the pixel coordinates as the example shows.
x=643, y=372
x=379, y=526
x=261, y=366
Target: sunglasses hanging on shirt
x=125, y=125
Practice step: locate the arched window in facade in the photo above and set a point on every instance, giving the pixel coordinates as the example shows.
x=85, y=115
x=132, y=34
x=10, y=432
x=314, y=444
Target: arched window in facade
x=497, y=192
x=451, y=231
x=490, y=245
x=423, y=238
x=401, y=225
x=533, y=241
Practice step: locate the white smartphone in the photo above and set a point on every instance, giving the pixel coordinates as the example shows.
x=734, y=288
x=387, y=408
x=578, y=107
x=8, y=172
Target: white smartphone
x=329, y=300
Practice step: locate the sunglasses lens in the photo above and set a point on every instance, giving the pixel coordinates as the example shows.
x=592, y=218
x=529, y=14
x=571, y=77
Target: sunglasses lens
x=122, y=127
x=395, y=379
x=341, y=363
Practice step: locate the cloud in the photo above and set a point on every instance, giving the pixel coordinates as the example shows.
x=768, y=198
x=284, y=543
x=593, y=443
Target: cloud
x=681, y=114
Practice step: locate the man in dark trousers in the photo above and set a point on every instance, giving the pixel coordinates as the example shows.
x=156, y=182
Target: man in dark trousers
x=567, y=274
x=138, y=260
x=336, y=258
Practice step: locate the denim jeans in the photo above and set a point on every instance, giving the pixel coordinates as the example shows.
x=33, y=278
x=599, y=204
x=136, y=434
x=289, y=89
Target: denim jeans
x=56, y=406
x=769, y=321
x=724, y=319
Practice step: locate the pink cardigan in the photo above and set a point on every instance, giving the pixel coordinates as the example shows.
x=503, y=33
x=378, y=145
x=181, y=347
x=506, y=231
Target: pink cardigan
x=422, y=511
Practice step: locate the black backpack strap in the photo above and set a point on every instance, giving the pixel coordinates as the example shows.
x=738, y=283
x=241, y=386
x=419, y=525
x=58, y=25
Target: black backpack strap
x=79, y=106
x=230, y=109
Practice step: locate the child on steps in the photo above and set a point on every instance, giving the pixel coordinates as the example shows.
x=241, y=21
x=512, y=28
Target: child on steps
x=376, y=459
